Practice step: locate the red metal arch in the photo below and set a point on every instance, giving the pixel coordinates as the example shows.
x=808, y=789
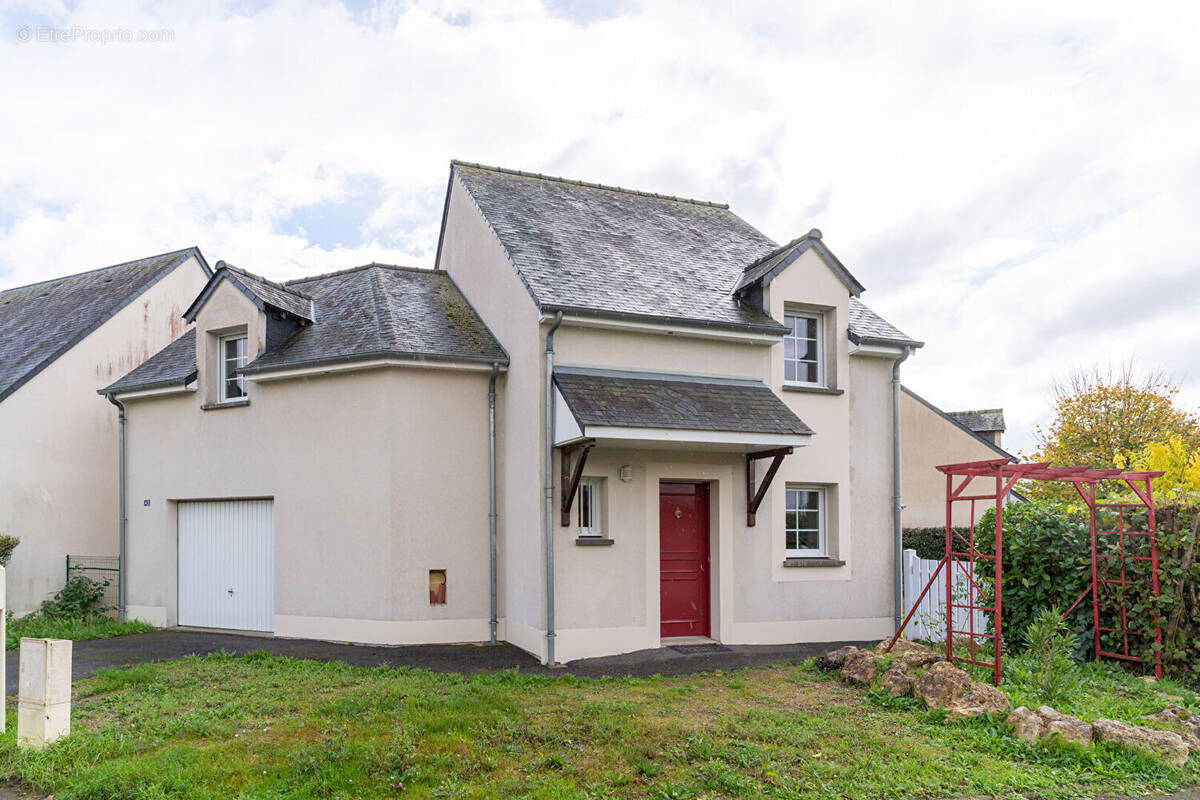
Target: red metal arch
x=962, y=555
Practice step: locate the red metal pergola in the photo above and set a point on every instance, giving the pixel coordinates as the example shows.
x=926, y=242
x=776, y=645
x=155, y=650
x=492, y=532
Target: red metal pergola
x=962, y=554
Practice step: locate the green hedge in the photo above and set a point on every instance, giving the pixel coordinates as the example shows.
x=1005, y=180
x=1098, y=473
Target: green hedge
x=1047, y=562
x=929, y=543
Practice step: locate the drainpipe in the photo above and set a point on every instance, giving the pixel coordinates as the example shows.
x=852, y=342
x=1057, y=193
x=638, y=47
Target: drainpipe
x=550, y=488
x=121, y=503
x=492, y=493
x=897, y=505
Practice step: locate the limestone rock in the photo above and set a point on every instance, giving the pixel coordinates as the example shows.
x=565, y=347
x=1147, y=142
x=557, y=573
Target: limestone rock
x=1064, y=726
x=948, y=688
x=910, y=653
x=834, y=660
x=1169, y=746
x=1026, y=724
x=861, y=668
x=1184, y=722
x=897, y=680
x=1046, y=724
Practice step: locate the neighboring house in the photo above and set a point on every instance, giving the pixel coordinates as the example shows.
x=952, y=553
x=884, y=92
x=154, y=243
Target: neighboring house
x=932, y=437
x=314, y=459
x=59, y=339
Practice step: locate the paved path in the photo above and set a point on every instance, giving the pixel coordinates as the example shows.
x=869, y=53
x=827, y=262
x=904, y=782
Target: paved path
x=90, y=657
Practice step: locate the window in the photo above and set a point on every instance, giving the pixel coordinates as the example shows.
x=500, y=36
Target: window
x=232, y=355
x=805, y=523
x=589, y=507
x=803, y=349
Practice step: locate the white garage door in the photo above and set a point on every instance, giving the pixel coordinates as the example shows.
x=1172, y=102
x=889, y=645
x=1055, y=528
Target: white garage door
x=227, y=564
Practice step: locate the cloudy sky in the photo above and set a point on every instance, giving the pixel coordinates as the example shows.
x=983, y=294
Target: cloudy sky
x=1017, y=184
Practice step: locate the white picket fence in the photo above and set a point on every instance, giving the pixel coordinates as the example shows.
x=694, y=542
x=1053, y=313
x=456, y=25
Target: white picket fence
x=929, y=622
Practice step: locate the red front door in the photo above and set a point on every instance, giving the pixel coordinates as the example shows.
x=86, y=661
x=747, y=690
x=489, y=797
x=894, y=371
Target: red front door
x=683, y=546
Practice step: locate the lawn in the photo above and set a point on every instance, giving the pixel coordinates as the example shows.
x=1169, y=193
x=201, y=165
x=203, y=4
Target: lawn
x=261, y=726
x=77, y=629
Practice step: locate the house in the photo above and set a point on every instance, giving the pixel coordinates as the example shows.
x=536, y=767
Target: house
x=931, y=437
x=59, y=339
x=605, y=420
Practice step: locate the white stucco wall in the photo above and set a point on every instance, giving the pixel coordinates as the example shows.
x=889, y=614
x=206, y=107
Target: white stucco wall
x=373, y=486
x=58, y=475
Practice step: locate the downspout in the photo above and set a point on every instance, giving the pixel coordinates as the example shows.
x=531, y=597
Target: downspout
x=121, y=504
x=492, y=494
x=897, y=504
x=550, y=488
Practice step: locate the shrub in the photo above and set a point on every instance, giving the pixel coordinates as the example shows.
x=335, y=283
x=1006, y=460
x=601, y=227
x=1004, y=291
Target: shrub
x=79, y=597
x=7, y=545
x=1047, y=564
x=1046, y=663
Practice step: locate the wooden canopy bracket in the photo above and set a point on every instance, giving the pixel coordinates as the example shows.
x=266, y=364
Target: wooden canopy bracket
x=570, y=477
x=754, y=496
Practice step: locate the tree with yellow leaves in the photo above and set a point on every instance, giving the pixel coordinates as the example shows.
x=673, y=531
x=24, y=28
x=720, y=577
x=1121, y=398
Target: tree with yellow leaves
x=1106, y=419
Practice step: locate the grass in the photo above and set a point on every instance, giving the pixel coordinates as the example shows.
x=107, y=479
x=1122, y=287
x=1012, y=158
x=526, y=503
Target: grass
x=74, y=628
x=261, y=726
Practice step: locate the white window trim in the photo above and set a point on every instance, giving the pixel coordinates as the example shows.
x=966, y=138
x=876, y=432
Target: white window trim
x=820, y=319
x=222, y=363
x=595, y=488
x=822, y=523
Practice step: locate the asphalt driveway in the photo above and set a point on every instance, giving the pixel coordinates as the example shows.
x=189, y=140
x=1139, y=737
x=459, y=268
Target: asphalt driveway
x=92, y=656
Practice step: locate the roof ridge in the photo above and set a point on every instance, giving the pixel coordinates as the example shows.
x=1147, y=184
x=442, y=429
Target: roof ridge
x=101, y=269
x=282, y=287
x=372, y=265
x=977, y=411
x=591, y=185
x=383, y=313
x=812, y=234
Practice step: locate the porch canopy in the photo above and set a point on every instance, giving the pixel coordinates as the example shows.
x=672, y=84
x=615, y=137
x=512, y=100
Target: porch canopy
x=667, y=410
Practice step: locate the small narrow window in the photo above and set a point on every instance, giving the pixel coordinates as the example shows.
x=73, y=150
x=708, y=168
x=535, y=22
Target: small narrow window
x=805, y=532
x=437, y=587
x=232, y=354
x=589, y=506
x=804, y=350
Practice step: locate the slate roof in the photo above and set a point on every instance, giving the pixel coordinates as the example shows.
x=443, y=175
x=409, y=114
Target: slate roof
x=770, y=265
x=40, y=322
x=379, y=311
x=262, y=293
x=868, y=327
x=588, y=248
x=620, y=398
x=984, y=420
x=373, y=311
x=174, y=365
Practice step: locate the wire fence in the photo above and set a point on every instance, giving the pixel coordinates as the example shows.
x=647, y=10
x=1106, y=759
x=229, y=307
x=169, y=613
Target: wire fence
x=101, y=569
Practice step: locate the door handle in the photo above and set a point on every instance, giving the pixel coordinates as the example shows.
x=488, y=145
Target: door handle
x=230, y=592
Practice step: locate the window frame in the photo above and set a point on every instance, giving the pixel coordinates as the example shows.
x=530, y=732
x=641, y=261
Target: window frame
x=223, y=365
x=819, y=344
x=594, y=489
x=822, y=549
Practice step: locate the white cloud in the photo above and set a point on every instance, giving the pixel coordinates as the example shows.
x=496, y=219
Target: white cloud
x=1015, y=183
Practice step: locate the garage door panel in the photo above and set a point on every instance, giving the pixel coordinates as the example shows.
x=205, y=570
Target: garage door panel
x=226, y=564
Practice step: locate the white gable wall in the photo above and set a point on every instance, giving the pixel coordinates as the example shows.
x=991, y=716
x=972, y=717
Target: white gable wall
x=58, y=476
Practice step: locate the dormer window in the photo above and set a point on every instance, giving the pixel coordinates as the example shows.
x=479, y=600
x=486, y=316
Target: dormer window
x=804, y=349
x=232, y=357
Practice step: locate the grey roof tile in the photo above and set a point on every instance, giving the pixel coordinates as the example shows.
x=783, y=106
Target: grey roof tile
x=766, y=267
x=378, y=311
x=591, y=248
x=867, y=326
x=984, y=420
x=174, y=365
x=678, y=402
x=262, y=293
x=374, y=311
x=40, y=322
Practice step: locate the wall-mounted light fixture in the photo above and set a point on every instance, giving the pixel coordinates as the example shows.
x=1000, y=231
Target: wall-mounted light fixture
x=626, y=473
